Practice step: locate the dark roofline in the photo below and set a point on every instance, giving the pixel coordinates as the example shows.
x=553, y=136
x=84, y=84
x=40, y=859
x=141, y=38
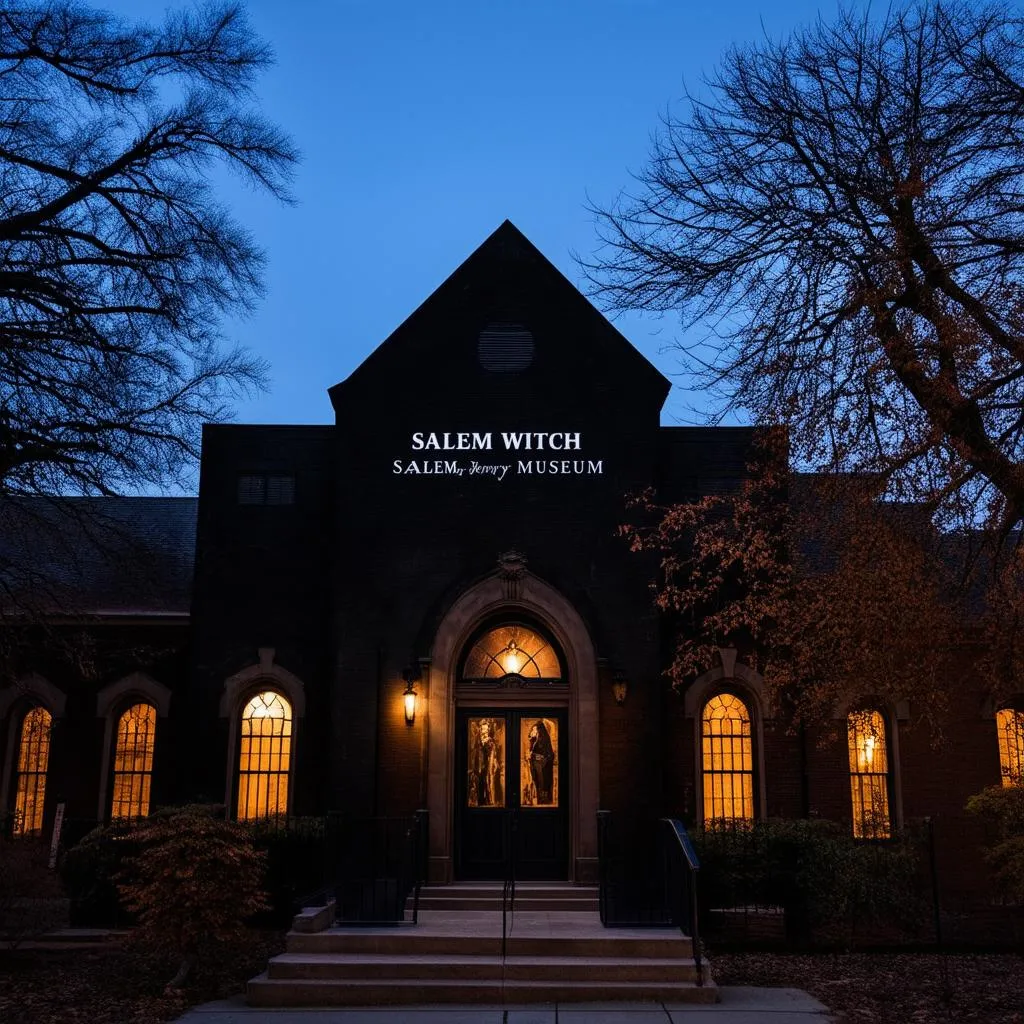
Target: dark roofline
x=505, y=228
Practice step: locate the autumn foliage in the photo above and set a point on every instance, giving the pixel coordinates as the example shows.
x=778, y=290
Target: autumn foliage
x=837, y=597
x=192, y=883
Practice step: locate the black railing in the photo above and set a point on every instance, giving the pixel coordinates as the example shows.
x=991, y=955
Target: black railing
x=508, y=894
x=648, y=876
x=680, y=877
x=378, y=863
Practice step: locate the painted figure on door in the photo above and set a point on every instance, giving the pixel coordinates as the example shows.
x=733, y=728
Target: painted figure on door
x=539, y=762
x=486, y=762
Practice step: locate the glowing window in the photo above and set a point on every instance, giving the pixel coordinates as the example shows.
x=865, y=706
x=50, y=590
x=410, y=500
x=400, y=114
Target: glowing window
x=1010, y=730
x=728, y=760
x=869, y=775
x=133, y=762
x=512, y=650
x=33, y=757
x=265, y=751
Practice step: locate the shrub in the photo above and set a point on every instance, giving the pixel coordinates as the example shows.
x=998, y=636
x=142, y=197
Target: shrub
x=1002, y=809
x=829, y=884
x=192, y=883
x=89, y=871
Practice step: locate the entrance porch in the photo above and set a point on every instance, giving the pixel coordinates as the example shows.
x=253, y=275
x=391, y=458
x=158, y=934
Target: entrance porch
x=555, y=949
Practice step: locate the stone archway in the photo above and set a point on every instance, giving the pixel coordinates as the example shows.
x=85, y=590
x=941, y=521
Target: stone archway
x=503, y=593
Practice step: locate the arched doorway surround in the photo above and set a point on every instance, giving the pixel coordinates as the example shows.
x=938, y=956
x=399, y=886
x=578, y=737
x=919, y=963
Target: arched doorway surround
x=505, y=593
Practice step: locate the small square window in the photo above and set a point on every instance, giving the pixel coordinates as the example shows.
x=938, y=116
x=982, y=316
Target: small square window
x=252, y=490
x=280, y=490
x=266, y=490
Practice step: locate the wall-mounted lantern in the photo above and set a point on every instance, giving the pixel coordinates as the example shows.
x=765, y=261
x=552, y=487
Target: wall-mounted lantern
x=620, y=686
x=410, y=675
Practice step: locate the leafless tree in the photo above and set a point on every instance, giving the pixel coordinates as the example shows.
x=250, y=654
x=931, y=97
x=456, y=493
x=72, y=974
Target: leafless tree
x=843, y=212
x=118, y=261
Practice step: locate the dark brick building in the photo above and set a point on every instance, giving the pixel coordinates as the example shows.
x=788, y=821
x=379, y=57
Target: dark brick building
x=427, y=605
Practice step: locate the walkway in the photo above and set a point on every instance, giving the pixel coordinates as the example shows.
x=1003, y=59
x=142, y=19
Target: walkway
x=738, y=1006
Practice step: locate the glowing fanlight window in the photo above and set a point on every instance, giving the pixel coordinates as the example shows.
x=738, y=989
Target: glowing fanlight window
x=513, y=650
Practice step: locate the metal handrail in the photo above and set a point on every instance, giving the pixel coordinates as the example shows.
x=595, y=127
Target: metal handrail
x=421, y=821
x=508, y=892
x=649, y=878
x=682, y=838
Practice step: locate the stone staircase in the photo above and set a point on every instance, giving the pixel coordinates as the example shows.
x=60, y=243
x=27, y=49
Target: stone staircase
x=557, y=951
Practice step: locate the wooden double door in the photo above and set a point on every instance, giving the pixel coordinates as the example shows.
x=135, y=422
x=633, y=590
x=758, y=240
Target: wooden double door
x=511, y=799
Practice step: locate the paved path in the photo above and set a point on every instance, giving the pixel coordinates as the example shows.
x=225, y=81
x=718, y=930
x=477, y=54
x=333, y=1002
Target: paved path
x=738, y=1006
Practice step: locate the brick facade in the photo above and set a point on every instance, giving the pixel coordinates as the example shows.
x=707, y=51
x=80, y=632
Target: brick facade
x=347, y=584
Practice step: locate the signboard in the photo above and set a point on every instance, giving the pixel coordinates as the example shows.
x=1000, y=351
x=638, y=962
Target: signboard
x=497, y=454
x=58, y=822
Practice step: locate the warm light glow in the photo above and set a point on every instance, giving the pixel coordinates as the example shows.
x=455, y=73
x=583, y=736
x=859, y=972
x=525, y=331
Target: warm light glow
x=133, y=762
x=619, y=691
x=485, y=768
x=1010, y=732
x=265, y=747
x=538, y=762
x=728, y=760
x=869, y=775
x=511, y=659
x=410, y=705
x=512, y=651
x=869, y=751
x=33, y=758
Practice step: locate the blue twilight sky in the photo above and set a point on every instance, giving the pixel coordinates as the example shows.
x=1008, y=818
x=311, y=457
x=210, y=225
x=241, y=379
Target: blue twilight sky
x=425, y=124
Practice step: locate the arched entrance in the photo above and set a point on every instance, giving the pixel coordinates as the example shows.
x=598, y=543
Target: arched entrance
x=512, y=744
x=457, y=711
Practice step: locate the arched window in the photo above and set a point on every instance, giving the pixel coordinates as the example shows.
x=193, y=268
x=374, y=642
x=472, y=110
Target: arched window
x=1010, y=730
x=33, y=757
x=265, y=751
x=869, y=774
x=515, y=651
x=133, y=761
x=727, y=755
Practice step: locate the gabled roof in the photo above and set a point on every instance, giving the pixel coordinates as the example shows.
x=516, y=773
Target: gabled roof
x=504, y=268
x=98, y=556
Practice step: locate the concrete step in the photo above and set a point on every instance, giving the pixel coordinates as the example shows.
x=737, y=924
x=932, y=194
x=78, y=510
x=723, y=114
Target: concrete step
x=370, y=967
x=656, y=943
x=538, y=889
x=523, y=903
x=264, y=991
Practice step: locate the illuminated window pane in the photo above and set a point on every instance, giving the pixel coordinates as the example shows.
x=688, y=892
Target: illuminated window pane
x=265, y=746
x=485, y=784
x=1010, y=730
x=512, y=650
x=538, y=762
x=869, y=775
x=133, y=762
x=727, y=754
x=33, y=757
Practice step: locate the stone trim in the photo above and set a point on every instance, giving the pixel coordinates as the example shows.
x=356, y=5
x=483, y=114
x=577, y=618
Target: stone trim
x=266, y=671
x=239, y=688
x=46, y=694
x=892, y=715
x=730, y=675
x=34, y=685
x=109, y=701
x=486, y=599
